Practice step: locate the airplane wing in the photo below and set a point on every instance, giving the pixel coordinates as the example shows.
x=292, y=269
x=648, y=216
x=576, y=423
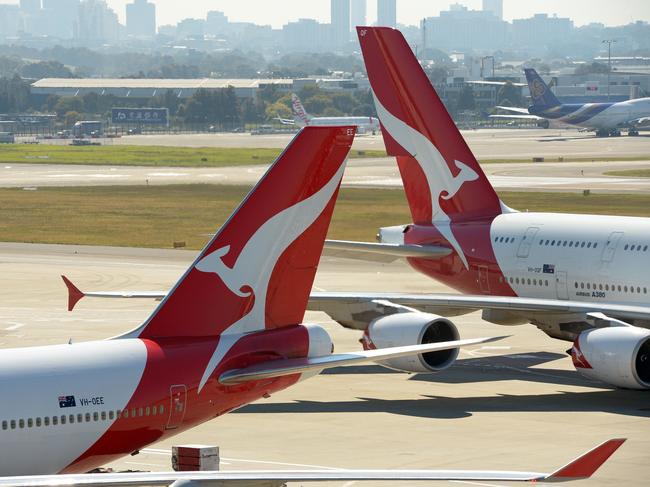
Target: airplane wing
x=281, y=367
x=516, y=117
x=523, y=111
x=582, y=467
x=343, y=307
x=381, y=252
x=495, y=83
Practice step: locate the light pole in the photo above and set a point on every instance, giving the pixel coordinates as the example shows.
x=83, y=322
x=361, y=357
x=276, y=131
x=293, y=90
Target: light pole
x=609, y=61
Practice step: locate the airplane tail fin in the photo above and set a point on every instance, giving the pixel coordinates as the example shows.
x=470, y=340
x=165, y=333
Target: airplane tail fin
x=299, y=111
x=540, y=93
x=257, y=271
x=586, y=464
x=442, y=179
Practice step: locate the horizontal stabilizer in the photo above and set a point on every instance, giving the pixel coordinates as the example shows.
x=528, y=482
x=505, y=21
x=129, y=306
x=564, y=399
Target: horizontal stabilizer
x=382, y=252
x=75, y=295
x=514, y=109
x=586, y=465
x=278, y=368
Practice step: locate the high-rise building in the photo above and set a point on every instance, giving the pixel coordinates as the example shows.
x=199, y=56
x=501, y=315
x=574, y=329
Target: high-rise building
x=386, y=13
x=97, y=22
x=358, y=9
x=30, y=6
x=340, y=22
x=494, y=6
x=307, y=35
x=216, y=23
x=61, y=17
x=141, y=19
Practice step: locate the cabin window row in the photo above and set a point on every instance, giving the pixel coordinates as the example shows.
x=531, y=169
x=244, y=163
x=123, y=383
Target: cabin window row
x=81, y=417
x=568, y=243
x=637, y=248
x=504, y=239
x=529, y=281
x=611, y=287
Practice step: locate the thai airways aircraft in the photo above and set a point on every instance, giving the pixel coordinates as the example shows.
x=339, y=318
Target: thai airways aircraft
x=603, y=118
x=303, y=119
x=230, y=332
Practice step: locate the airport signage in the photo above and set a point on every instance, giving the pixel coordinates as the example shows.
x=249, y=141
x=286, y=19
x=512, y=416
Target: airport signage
x=140, y=115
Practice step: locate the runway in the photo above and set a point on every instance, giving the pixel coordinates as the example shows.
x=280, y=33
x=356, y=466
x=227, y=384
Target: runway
x=371, y=172
x=515, y=404
x=485, y=143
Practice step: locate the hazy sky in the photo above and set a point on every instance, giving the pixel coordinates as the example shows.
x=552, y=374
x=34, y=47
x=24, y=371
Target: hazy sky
x=278, y=12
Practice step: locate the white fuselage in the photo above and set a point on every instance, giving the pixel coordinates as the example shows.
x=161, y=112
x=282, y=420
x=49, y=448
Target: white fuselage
x=577, y=257
x=617, y=115
x=39, y=432
x=363, y=124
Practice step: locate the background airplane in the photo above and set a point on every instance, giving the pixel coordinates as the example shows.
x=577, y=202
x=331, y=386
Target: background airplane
x=71, y=408
x=303, y=119
x=603, y=118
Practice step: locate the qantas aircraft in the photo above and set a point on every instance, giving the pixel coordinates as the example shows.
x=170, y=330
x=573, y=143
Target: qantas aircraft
x=604, y=118
x=230, y=332
x=303, y=119
x=578, y=278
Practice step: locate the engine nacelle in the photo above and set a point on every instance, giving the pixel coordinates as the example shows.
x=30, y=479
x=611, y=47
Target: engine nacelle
x=320, y=345
x=619, y=356
x=403, y=329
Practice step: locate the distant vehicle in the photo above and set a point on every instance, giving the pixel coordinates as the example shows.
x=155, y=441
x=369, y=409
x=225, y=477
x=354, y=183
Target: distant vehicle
x=606, y=119
x=7, y=138
x=303, y=119
x=90, y=128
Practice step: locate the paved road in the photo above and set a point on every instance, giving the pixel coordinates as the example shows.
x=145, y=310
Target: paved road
x=485, y=143
x=513, y=404
x=373, y=172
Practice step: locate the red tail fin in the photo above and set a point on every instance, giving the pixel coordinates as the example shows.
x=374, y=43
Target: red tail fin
x=257, y=271
x=442, y=179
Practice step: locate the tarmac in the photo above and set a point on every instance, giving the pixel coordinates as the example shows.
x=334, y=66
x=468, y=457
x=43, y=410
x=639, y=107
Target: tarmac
x=506, y=144
x=513, y=404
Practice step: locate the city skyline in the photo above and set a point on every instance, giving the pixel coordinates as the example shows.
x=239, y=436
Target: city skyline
x=408, y=12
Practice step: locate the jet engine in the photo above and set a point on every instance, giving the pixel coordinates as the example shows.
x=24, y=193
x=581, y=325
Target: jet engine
x=413, y=328
x=619, y=356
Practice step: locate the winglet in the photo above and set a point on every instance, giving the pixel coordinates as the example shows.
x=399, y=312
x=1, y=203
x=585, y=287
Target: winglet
x=586, y=465
x=74, y=294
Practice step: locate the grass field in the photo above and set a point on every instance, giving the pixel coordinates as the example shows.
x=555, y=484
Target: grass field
x=132, y=155
x=630, y=173
x=156, y=216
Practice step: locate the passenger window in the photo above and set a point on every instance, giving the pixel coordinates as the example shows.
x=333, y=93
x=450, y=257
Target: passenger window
x=87, y=417
x=80, y=418
x=564, y=244
x=95, y=416
x=626, y=246
x=133, y=413
x=582, y=285
x=546, y=282
x=632, y=247
x=553, y=243
x=517, y=280
x=46, y=420
x=632, y=289
x=645, y=290
x=645, y=247
x=30, y=422
x=588, y=286
x=600, y=287
x=12, y=424
x=576, y=284
x=619, y=288
x=582, y=244
x=55, y=420
x=589, y=245
x=71, y=418
x=21, y=423
x=154, y=410
x=38, y=421
x=625, y=288
x=141, y=411
x=161, y=409
x=638, y=289
x=529, y=281
x=4, y=425
x=147, y=411
x=63, y=418
x=606, y=287
x=111, y=414
x=103, y=415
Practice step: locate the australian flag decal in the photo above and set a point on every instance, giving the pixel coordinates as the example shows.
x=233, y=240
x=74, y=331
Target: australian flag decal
x=548, y=269
x=67, y=402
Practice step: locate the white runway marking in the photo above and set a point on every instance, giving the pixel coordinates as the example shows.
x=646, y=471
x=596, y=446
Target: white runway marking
x=14, y=326
x=158, y=451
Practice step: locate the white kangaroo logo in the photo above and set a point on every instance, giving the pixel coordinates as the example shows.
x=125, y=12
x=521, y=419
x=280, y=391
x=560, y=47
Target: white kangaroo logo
x=256, y=261
x=442, y=183
x=298, y=109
